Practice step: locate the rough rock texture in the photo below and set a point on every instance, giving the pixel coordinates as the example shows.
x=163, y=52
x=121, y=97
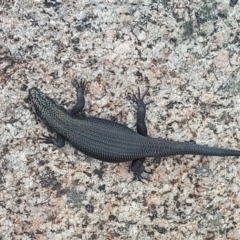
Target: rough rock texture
x=187, y=52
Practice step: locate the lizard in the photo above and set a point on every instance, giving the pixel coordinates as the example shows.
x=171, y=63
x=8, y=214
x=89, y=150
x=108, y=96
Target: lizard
x=107, y=140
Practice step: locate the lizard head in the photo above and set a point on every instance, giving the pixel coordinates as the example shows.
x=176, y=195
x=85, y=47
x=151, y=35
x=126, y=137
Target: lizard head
x=40, y=101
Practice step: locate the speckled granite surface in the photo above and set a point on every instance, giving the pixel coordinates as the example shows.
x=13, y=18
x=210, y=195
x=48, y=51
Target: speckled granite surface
x=187, y=52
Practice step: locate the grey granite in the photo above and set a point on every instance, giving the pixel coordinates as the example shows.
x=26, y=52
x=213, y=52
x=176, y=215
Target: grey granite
x=187, y=52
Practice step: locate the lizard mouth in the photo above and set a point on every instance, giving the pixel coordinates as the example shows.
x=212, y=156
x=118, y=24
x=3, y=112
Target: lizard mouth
x=32, y=92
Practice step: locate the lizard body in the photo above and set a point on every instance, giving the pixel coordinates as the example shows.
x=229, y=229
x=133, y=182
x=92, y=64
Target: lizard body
x=107, y=140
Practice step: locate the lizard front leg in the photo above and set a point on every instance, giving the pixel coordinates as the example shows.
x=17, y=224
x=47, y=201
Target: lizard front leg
x=80, y=86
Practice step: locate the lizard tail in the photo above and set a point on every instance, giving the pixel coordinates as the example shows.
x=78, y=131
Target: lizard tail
x=168, y=148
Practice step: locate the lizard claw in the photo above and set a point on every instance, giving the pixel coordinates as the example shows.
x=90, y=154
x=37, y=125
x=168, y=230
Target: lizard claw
x=139, y=100
x=80, y=84
x=46, y=139
x=59, y=142
x=140, y=178
x=149, y=172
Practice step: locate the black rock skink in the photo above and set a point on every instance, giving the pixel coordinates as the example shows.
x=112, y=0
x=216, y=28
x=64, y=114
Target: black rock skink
x=107, y=140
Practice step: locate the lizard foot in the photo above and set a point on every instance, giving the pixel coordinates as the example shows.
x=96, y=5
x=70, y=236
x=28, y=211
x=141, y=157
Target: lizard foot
x=58, y=142
x=139, y=100
x=138, y=168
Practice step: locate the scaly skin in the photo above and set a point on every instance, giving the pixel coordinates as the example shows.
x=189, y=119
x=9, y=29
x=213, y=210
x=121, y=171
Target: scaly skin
x=107, y=140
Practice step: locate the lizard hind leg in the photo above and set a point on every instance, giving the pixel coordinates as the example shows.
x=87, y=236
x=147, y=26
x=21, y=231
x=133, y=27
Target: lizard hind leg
x=137, y=166
x=141, y=111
